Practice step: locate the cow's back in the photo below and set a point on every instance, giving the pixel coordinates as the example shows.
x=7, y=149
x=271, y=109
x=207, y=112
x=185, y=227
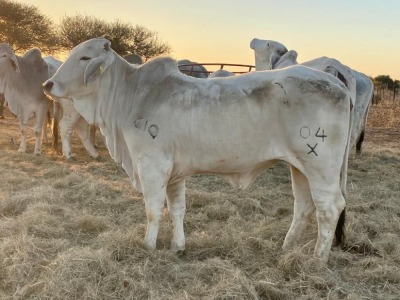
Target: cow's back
x=234, y=126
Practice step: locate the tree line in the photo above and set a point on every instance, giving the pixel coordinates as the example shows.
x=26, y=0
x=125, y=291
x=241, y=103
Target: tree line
x=23, y=26
x=384, y=83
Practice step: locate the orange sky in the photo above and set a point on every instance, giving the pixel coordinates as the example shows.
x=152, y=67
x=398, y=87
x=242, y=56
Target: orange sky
x=363, y=34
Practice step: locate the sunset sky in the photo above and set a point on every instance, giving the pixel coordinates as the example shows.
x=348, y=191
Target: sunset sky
x=363, y=34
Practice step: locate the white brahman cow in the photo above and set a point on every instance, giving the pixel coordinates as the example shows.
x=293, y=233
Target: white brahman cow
x=70, y=120
x=267, y=53
x=164, y=126
x=360, y=85
x=20, y=81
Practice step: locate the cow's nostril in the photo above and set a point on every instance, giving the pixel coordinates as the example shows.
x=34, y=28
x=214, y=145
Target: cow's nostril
x=48, y=85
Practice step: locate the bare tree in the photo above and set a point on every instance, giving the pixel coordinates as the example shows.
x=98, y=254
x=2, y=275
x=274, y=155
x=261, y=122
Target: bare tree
x=23, y=27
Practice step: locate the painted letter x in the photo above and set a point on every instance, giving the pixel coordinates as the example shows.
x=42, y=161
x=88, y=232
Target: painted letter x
x=313, y=149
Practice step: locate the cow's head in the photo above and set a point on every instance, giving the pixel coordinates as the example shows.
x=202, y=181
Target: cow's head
x=288, y=59
x=8, y=59
x=80, y=74
x=8, y=63
x=267, y=53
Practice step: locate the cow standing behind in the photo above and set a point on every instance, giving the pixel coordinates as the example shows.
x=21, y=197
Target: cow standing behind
x=360, y=85
x=164, y=126
x=192, y=68
x=20, y=79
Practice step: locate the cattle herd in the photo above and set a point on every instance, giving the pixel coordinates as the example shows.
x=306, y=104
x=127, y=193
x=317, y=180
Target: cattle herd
x=163, y=125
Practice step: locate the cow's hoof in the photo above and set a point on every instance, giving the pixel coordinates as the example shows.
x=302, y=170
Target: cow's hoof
x=180, y=253
x=70, y=159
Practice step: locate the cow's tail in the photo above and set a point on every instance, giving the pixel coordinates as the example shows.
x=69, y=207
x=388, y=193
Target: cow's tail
x=56, y=121
x=340, y=227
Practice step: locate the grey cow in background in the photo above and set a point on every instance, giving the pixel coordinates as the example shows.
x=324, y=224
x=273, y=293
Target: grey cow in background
x=270, y=55
x=197, y=71
x=20, y=82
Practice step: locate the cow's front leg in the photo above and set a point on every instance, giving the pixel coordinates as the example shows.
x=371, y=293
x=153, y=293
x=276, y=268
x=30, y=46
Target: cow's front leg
x=82, y=130
x=68, y=122
x=176, y=207
x=22, y=145
x=37, y=129
x=153, y=178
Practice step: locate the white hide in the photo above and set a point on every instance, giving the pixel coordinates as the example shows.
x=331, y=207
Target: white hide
x=164, y=126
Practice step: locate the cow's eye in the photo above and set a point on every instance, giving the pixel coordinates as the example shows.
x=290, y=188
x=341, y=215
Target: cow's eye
x=85, y=58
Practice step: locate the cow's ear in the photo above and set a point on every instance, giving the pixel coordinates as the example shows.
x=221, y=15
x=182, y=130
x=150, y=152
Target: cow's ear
x=14, y=63
x=94, y=69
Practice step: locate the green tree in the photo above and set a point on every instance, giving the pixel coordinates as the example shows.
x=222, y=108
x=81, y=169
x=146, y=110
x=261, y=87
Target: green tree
x=23, y=27
x=384, y=80
x=147, y=43
x=125, y=38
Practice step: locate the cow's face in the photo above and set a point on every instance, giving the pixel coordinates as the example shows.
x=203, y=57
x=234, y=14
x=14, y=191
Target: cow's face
x=267, y=53
x=8, y=63
x=288, y=59
x=79, y=76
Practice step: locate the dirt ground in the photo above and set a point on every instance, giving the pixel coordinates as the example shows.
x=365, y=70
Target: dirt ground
x=383, y=136
x=74, y=231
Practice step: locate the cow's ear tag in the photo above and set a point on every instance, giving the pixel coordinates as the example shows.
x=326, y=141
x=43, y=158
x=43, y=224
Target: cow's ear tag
x=101, y=69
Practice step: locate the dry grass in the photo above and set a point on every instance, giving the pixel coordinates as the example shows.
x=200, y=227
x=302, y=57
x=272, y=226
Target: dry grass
x=74, y=231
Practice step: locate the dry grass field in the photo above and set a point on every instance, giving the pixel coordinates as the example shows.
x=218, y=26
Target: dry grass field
x=74, y=231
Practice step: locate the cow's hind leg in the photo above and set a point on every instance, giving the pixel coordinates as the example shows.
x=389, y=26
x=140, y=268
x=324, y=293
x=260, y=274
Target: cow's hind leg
x=329, y=203
x=359, y=143
x=38, y=127
x=303, y=208
x=177, y=206
x=47, y=120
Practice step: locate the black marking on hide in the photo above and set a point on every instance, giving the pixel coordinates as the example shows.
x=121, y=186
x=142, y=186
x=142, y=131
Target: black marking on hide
x=313, y=149
x=305, y=132
x=319, y=135
x=281, y=86
x=141, y=124
x=153, y=130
